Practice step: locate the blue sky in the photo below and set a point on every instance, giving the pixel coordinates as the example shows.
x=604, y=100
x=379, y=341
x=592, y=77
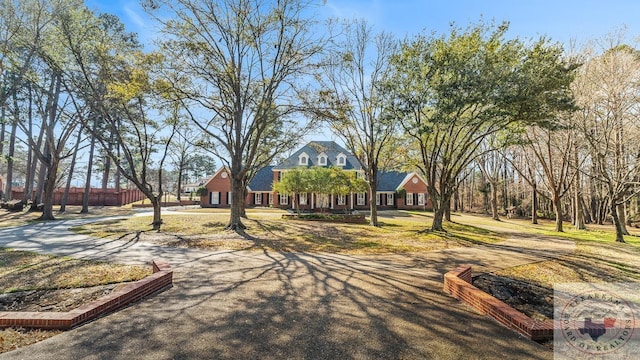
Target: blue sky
x=565, y=21
x=561, y=20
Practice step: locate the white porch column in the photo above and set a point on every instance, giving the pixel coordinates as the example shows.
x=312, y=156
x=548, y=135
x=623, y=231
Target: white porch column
x=351, y=201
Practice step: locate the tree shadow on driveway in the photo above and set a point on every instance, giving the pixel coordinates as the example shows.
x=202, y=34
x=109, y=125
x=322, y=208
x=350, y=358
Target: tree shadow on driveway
x=271, y=305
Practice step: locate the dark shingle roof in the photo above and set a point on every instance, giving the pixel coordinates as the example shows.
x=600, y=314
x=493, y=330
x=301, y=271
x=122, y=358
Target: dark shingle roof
x=262, y=180
x=315, y=148
x=390, y=180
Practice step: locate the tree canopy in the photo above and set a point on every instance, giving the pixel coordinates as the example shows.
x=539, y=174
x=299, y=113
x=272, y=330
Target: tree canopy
x=454, y=90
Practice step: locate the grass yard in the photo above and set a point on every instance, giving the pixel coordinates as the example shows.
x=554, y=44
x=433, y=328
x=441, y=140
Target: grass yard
x=596, y=262
x=400, y=232
x=9, y=218
x=594, y=233
x=24, y=272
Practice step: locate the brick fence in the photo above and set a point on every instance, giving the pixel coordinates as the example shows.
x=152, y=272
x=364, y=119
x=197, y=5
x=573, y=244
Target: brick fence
x=458, y=284
x=161, y=279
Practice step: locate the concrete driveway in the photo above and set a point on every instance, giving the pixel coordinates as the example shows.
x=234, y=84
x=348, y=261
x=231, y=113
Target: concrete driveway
x=267, y=305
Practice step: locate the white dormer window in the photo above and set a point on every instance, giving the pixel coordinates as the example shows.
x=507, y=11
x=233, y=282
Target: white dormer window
x=303, y=159
x=322, y=159
x=342, y=159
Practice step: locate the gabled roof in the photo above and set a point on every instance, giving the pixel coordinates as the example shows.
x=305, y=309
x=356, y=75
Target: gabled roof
x=390, y=181
x=313, y=149
x=262, y=180
x=224, y=168
x=410, y=176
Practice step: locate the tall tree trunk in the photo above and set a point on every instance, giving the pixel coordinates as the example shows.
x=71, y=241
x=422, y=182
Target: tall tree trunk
x=622, y=216
x=594, y=209
x=534, y=203
x=485, y=196
x=53, y=160
x=118, y=174
x=237, y=201
x=457, y=202
x=11, y=154
x=49, y=188
x=373, y=181
x=494, y=200
x=585, y=211
x=557, y=204
x=32, y=161
x=616, y=221
x=2, y=127
x=2, y=130
x=439, y=210
x=65, y=197
x=181, y=166
x=579, y=214
x=156, y=201
x=505, y=190
x=242, y=204
x=447, y=209
x=87, y=183
x=42, y=172
x=603, y=210
x=438, y=217
x=107, y=166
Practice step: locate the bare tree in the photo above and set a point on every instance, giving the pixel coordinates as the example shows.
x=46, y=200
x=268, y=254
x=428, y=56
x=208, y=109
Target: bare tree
x=236, y=66
x=354, y=99
x=608, y=89
x=553, y=149
x=491, y=164
x=116, y=82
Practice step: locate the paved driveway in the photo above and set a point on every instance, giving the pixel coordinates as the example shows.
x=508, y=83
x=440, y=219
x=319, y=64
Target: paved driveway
x=267, y=305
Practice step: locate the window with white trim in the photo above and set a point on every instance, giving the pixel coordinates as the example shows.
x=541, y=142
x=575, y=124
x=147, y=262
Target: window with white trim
x=342, y=200
x=361, y=198
x=270, y=199
x=341, y=159
x=409, y=200
x=421, y=199
x=378, y=196
x=284, y=199
x=214, y=198
x=322, y=159
x=303, y=159
x=303, y=198
x=390, y=199
x=258, y=199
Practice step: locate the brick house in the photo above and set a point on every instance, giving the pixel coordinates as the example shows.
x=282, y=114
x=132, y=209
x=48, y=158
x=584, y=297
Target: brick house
x=396, y=190
x=218, y=190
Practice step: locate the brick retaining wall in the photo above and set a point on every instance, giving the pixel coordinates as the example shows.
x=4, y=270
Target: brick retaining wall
x=161, y=278
x=458, y=284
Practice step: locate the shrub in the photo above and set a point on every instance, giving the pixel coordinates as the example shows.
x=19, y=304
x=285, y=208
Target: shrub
x=202, y=191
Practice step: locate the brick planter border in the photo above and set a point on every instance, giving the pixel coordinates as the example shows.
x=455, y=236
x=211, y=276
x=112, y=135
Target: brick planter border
x=458, y=284
x=161, y=279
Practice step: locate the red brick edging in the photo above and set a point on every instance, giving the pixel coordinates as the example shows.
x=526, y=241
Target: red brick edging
x=457, y=283
x=161, y=278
